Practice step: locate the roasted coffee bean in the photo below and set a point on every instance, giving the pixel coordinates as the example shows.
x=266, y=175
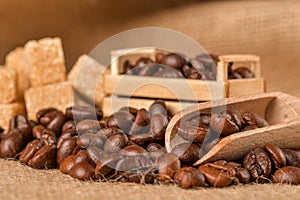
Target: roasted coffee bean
x=154, y=147
x=88, y=125
x=276, y=155
x=107, y=166
x=244, y=72
x=52, y=119
x=242, y=174
x=134, y=164
x=68, y=133
x=142, y=178
x=115, y=143
x=141, y=121
x=132, y=150
x=217, y=175
x=107, y=132
x=44, y=158
x=122, y=120
x=258, y=163
x=288, y=175
x=142, y=61
x=46, y=135
x=96, y=154
x=254, y=119
x=90, y=140
x=65, y=149
x=225, y=123
x=168, y=72
x=82, y=171
x=19, y=121
x=292, y=157
x=167, y=166
x=155, y=151
x=173, y=60
x=129, y=68
x=12, y=143
x=188, y=153
x=82, y=156
x=189, y=177
x=158, y=57
x=29, y=151
x=192, y=133
x=68, y=125
x=79, y=113
x=140, y=139
x=202, y=120
x=67, y=164
x=131, y=110
x=148, y=69
x=158, y=107
x=158, y=125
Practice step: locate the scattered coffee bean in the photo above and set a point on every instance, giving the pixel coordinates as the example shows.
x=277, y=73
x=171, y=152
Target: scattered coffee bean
x=167, y=166
x=82, y=171
x=189, y=177
x=253, y=119
x=292, y=157
x=276, y=154
x=288, y=175
x=52, y=119
x=115, y=143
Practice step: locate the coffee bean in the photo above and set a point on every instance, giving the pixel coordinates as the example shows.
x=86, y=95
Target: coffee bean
x=258, y=163
x=68, y=133
x=131, y=110
x=288, y=175
x=44, y=158
x=173, y=60
x=134, y=164
x=168, y=72
x=154, y=147
x=107, y=165
x=19, y=121
x=90, y=140
x=140, y=139
x=96, y=154
x=158, y=107
x=88, y=125
x=276, y=155
x=244, y=72
x=191, y=133
x=254, y=119
x=158, y=57
x=217, y=175
x=52, y=119
x=68, y=125
x=133, y=150
x=79, y=113
x=67, y=164
x=42, y=133
x=156, y=151
x=187, y=153
x=122, y=120
x=82, y=156
x=167, y=166
x=141, y=121
x=142, y=178
x=189, y=177
x=115, y=143
x=292, y=157
x=11, y=144
x=242, y=174
x=65, y=149
x=225, y=123
x=82, y=171
x=158, y=125
x=142, y=61
x=29, y=151
x=202, y=120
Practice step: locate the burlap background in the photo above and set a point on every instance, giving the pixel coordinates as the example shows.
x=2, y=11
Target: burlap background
x=270, y=29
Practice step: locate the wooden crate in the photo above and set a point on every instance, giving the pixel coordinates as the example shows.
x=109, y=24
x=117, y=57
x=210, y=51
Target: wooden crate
x=114, y=103
x=239, y=87
x=154, y=87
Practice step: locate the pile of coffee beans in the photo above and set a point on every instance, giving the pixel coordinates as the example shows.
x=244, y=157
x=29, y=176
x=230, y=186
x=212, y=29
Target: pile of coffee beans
x=128, y=146
x=174, y=65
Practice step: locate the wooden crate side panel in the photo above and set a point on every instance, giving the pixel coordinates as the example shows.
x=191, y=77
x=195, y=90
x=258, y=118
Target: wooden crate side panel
x=246, y=86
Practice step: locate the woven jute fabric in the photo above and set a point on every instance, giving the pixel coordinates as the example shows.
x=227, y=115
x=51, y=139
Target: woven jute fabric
x=21, y=182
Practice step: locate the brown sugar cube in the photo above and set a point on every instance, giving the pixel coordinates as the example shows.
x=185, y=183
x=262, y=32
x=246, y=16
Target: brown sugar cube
x=46, y=59
x=7, y=111
x=59, y=96
x=8, y=85
x=17, y=60
x=87, y=78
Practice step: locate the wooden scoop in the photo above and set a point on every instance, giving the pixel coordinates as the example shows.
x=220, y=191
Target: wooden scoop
x=282, y=111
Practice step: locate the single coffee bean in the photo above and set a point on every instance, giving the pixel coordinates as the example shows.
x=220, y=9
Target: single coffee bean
x=65, y=149
x=154, y=147
x=11, y=144
x=134, y=164
x=158, y=125
x=141, y=178
x=82, y=156
x=141, y=121
x=107, y=165
x=140, y=139
x=173, y=60
x=67, y=164
x=167, y=166
x=276, y=155
x=192, y=133
x=288, y=175
x=156, y=151
x=88, y=125
x=79, y=113
x=258, y=163
x=142, y=61
x=115, y=143
x=189, y=177
x=90, y=140
x=95, y=154
x=52, y=119
x=158, y=107
x=68, y=125
x=168, y=72
x=68, y=133
x=292, y=157
x=187, y=153
x=244, y=72
x=82, y=171
x=19, y=121
x=44, y=158
x=133, y=150
x=122, y=120
x=202, y=120
x=253, y=119
x=225, y=123
x=129, y=109
x=29, y=151
x=242, y=174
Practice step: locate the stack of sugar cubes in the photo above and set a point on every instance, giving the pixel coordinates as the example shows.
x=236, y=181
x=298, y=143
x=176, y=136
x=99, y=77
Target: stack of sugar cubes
x=35, y=77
